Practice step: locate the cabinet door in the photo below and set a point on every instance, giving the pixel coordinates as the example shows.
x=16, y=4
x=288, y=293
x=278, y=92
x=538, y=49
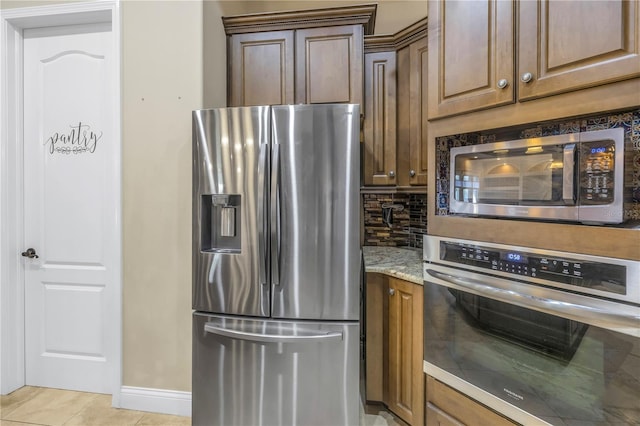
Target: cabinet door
x=418, y=113
x=471, y=57
x=406, y=389
x=446, y=406
x=329, y=65
x=380, y=119
x=404, y=116
x=261, y=69
x=411, y=147
x=374, y=337
x=566, y=46
x=437, y=417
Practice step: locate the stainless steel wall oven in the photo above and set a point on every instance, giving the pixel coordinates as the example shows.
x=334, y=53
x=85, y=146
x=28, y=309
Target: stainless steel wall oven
x=540, y=336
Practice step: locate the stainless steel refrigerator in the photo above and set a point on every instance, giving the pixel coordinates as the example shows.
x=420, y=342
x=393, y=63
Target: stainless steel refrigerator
x=276, y=265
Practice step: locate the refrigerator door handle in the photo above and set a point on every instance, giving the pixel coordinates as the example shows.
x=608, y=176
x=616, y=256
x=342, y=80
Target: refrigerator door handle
x=213, y=328
x=275, y=215
x=262, y=234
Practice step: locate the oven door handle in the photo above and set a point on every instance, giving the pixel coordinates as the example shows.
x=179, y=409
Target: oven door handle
x=604, y=318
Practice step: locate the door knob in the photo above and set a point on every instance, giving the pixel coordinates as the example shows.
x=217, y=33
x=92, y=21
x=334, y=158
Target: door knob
x=30, y=253
x=392, y=291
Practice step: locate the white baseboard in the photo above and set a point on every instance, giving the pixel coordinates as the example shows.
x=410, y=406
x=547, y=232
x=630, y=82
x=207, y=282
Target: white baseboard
x=177, y=403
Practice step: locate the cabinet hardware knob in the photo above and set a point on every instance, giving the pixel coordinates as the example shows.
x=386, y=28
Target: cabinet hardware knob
x=502, y=83
x=392, y=174
x=392, y=291
x=412, y=173
x=526, y=77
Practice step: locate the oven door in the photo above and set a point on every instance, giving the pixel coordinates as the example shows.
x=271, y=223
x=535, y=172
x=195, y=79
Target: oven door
x=535, y=355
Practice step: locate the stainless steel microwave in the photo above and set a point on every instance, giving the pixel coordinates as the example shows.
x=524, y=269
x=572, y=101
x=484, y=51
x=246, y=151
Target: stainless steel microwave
x=573, y=177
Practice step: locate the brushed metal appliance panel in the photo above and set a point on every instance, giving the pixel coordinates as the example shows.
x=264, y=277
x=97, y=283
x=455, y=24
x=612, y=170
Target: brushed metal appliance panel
x=230, y=156
x=315, y=255
x=267, y=372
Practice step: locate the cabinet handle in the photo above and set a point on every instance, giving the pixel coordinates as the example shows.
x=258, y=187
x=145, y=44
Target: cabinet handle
x=392, y=292
x=412, y=173
x=392, y=174
x=526, y=77
x=502, y=83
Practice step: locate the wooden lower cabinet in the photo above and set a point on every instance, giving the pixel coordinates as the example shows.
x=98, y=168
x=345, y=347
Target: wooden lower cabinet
x=447, y=407
x=406, y=390
x=375, y=337
x=394, y=346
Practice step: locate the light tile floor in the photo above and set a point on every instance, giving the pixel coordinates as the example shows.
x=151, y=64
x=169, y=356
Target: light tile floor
x=55, y=407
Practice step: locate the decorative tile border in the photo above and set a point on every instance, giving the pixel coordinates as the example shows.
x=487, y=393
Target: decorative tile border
x=408, y=220
x=629, y=120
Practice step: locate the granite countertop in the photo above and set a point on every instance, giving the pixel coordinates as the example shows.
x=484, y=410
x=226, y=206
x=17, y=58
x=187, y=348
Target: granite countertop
x=400, y=262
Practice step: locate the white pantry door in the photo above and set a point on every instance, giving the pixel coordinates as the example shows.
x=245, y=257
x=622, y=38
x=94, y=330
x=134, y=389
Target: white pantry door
x=69, y=199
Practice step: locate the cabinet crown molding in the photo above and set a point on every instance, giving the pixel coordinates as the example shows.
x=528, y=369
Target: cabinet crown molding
x=364, y=14
x=397, y=41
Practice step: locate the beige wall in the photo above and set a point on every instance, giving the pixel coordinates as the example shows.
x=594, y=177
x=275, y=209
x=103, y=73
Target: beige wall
x=163, y=81
x=162, y=84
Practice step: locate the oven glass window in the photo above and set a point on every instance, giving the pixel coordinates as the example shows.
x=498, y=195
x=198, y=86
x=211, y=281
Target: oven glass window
x=524, y=176
x=561, y=371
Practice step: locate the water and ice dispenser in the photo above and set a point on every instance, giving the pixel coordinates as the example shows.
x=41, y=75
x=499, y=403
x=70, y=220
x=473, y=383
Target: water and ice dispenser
x=220, y=223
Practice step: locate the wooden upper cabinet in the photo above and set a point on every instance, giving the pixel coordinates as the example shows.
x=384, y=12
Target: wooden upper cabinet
x=418, y=112
x=562, y=46
x=262, y=68
x=307, y=56
x=329, y=65
x=471, y=56
x=395, y=113
x=576, y=45
x=412, y=114
x=380, y=119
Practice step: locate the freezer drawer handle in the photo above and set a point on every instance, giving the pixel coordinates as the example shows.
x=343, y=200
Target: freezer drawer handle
x=589, y=314
x=271, y=338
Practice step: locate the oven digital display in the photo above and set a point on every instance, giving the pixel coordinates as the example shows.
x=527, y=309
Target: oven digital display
x=514, y=256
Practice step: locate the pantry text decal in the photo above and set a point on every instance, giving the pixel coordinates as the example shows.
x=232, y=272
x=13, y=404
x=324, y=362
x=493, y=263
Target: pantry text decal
x=79, y=139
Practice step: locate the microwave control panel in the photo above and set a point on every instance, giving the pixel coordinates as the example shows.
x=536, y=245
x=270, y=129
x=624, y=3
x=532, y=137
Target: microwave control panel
x=597, y=172
x=580, y=273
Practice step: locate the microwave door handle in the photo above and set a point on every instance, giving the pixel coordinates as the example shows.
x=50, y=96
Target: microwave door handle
x=582, y=313
x=568, y=174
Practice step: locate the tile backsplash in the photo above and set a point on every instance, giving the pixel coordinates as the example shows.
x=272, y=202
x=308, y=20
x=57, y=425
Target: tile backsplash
x=629, y=120
x=403, y=227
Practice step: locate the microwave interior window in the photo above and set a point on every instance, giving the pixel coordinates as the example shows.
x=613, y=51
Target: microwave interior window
x=511, y=176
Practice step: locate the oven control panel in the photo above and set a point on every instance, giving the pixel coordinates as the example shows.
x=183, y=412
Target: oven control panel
x=600, y=276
